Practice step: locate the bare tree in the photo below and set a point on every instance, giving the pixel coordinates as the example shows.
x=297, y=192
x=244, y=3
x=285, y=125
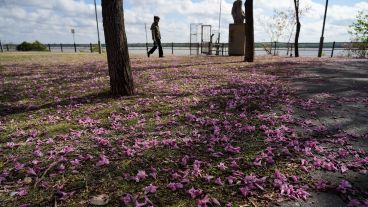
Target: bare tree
x=249, y=31
x=121, y=80
x=276, y=27
x=298, y=27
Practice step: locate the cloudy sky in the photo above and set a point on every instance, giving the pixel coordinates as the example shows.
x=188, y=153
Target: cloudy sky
x=51, y=21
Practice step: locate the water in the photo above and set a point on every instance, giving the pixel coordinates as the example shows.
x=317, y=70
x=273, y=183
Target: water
x=185, y=51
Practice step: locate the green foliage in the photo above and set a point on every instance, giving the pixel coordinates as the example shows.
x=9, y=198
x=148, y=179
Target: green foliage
x=359, y=29
x=35, y=46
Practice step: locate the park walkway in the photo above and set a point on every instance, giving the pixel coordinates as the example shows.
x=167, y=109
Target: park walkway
x=335, y=94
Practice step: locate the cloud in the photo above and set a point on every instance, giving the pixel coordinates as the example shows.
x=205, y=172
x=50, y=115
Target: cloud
x=50, y=21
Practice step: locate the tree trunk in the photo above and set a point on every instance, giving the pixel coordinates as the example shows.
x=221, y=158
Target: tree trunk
x=249, y=31
x=121, y=80
x=298, y=27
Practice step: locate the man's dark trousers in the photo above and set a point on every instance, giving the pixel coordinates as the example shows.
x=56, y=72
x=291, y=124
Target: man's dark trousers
x=157, y=44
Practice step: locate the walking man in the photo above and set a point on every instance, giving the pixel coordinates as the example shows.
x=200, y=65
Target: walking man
x=156, y=37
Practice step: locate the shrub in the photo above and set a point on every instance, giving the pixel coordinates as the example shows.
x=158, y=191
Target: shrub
x=35, y=46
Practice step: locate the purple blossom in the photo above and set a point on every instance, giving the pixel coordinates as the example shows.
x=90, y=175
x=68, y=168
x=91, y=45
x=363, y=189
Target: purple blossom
x=141, y=175
x=279, y=179
x=222, y=166
x=245, y=191
x=150, y=189
x=66, y=150
x=358, y=203
x=19, y=166
x=344, y=186
x=11, y=145
x=232, y=149
x=75, y=162
x=102, y=142
x=175, y=186
x=103, y=160
x=38, y=153
x=31, y=171
x=218, y=181
x=230, y=179
x=293, y=193
x=194, y=193
x=208, y=178
x=321, y=185
x=127, y=199
x=204, y=201
x=184, y=160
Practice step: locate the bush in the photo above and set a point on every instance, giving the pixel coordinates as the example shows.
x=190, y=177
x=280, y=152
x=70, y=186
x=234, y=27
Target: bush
x=35, y=46
x=357, y=49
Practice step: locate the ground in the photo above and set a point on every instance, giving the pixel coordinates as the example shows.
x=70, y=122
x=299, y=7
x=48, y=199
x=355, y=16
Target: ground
x=200, y=131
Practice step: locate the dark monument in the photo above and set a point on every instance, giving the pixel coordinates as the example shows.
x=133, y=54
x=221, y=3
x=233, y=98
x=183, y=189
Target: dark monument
x=237, y=30
x=237, y=12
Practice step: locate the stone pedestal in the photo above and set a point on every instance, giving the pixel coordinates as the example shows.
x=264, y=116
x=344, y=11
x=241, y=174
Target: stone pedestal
x=236, y=39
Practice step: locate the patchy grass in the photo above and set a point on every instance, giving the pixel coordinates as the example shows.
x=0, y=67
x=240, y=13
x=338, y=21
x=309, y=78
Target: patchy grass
x=191, y=118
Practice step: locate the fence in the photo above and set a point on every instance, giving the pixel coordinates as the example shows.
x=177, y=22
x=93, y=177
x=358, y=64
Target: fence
x=330, y=49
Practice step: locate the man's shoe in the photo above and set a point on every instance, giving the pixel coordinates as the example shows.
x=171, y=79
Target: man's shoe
x=161, y=56
x=148, y=54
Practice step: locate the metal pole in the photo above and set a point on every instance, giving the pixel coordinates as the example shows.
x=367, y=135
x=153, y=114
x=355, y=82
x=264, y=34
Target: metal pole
x=271, y=48
x=202, y=40
x=49, y=47
x=90, y=47
x=98, y=31
x=7, y=47
x=291, y=50
x=172, y=48
x=274, y=51
x=333, y=48
x=61, y=47
x=197, y=49
x=145, y=28
x=75, y=46
x=1, y=47
x=323, y=31
x=222, y=49
x=219, y=32
x=190, y=40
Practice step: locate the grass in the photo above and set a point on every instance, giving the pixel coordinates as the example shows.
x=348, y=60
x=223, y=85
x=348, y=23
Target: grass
x=64, y=97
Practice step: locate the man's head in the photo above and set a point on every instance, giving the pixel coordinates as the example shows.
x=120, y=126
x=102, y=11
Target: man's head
x=156, y=19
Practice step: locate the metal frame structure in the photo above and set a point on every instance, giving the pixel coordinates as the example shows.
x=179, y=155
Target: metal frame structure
x=204, y=40
x=194, y=33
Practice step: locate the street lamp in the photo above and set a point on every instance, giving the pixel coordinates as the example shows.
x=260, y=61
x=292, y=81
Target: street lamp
x=98, y=31
x=323, y=31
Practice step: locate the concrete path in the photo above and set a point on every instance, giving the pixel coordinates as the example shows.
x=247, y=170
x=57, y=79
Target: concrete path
x=339, y=93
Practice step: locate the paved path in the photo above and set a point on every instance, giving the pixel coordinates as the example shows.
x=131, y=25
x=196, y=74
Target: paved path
x=340, y=90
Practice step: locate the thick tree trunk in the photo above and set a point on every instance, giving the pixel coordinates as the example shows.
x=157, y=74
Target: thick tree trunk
x=121, y=80
x=298, y=27
x=249, y=31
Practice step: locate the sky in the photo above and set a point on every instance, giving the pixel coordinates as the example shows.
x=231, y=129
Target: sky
x=51, y=21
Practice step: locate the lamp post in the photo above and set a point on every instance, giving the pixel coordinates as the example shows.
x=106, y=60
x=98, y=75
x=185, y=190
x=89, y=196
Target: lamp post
x=323, y=31
x=98, y=31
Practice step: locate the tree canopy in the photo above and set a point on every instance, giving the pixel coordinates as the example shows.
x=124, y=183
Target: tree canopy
x=359, y=29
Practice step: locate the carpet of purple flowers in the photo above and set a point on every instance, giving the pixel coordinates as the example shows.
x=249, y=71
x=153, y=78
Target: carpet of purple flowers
x=200, y=131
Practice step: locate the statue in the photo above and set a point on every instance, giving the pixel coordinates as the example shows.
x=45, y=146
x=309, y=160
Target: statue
x=237, y=12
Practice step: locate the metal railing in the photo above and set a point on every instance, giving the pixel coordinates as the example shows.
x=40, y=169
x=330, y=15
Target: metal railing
x=261, y=48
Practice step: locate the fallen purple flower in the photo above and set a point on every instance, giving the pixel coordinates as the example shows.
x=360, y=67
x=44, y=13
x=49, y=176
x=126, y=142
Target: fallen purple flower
x=150, y=189
x=103, y=160
x=194, y=193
